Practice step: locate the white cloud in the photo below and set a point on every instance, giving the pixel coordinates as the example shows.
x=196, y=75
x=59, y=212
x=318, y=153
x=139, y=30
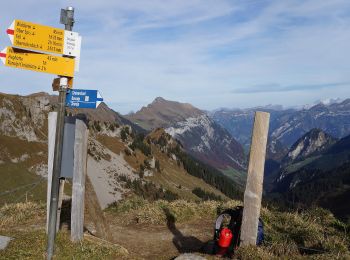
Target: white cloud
x=196, y=51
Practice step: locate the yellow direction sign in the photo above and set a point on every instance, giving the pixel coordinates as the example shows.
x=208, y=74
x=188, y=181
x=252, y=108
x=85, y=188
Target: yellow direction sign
x=29, y=60
x=44, y=38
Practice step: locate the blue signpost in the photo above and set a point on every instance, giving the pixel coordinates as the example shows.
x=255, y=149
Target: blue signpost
x=83, y=98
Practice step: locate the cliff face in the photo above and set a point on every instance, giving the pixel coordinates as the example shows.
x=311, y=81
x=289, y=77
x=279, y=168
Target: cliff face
x=312, y=143
x=200, y=135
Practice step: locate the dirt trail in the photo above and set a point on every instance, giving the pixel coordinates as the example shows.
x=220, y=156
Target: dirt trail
x=147, y=241
x=161, y=241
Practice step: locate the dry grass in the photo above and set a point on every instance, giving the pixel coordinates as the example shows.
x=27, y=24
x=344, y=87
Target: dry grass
x=288, y=235
x=12, y=215
x=112, y=143
x=315, y=233
x=135, y=160
x=138, y=210
x=25, y=223
x=174, y=177
x=32, y=245
x=14, y=147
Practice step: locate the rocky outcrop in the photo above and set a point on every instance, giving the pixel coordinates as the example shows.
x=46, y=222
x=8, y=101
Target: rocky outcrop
x=197, y=132
x=312, y=143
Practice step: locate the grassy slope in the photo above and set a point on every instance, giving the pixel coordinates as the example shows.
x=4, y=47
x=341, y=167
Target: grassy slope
x=177, y=180
x=25, y=223
x=239, y=177
x=288, y=235
x=13, y=147
x=171, y=177
x=298, y=165
x=16, y=176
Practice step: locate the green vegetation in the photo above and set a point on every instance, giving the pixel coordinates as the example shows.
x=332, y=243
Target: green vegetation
x=239, y=177
x=148, y=190
x=157, y=165
x=209, y=174
x=97, y=126
x=18, y=184
x=204, y=195
x=124, y=133
x=138, y=143
x=298, y=165
x=324, y=188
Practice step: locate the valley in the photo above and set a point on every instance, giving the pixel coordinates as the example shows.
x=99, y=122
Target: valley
x=185, y=163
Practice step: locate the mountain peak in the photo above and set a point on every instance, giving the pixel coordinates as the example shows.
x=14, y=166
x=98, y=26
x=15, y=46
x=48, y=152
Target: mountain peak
x=164, y=113
x=39, y=94
x=158, y=99
x=311, y=143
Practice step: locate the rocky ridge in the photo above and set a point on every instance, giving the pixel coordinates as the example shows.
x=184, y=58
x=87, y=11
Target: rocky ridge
x=197, y=132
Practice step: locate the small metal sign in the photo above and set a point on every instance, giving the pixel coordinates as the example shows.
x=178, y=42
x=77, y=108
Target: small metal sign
x=83, y=98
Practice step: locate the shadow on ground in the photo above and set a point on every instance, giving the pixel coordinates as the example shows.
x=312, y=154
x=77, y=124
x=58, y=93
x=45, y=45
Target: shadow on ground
x=184, y=244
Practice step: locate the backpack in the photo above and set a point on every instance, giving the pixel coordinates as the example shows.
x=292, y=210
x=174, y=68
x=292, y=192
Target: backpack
x=234, y=226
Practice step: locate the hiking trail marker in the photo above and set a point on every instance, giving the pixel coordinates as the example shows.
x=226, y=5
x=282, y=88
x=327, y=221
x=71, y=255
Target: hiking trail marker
x=44, y=38
x=27, y=39
x=83, y=98
x=35, y=61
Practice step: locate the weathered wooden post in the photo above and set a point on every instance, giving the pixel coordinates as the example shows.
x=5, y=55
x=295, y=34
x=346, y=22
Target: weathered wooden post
x=79, y=175
x=255, y=178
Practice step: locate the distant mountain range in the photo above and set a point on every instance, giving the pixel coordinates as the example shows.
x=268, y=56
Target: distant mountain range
x=288, y=125
x=316, y=170
x=197, y=132
x=312, y=143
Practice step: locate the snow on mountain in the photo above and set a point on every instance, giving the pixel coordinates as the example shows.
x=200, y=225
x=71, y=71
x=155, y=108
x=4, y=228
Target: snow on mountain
x=332, y=116
x=198, y=133
x=206, y=140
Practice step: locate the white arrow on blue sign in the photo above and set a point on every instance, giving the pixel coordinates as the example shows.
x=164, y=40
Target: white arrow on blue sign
x=83, y=98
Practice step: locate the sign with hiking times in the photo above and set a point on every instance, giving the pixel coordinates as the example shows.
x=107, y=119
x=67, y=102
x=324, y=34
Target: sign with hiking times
x=35, y=61
x=44, y=38
x=83, y=98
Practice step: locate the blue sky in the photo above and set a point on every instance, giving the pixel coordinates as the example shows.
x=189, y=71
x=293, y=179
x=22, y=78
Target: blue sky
x=234, y=53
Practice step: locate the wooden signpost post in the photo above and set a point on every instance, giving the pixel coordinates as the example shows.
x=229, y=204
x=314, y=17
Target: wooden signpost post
x=255, y=178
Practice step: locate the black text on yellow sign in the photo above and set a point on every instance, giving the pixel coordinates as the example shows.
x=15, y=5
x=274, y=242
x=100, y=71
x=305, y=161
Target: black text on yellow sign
x=23, y=59
x=39, y=37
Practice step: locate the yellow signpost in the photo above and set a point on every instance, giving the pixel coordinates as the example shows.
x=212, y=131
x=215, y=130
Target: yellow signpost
x=26, y=35
x=44, y=38
x=23, y=59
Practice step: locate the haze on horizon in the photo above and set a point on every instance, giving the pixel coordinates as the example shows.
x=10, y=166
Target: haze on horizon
x=212, y=54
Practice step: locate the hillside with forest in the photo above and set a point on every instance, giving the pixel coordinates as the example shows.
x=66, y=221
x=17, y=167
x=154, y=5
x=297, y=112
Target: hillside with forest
x=199, y=135
x=318, y=177
x=122, y=158
x=148, y=183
